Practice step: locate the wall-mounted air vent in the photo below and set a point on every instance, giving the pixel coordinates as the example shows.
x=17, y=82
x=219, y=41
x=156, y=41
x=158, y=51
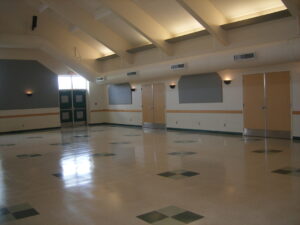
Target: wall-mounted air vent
x=100, y=79
x=134, y=73
x=180, y=66
x=245, y=56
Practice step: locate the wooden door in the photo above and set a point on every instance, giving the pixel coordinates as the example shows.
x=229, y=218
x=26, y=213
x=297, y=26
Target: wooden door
x=254, y=105
x=278, y=113
x=159, y=103
x=147, y=103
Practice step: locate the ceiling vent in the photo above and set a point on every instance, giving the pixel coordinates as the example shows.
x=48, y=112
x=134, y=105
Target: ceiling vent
x=245, y=56
x=180, y=66
x=134, y=73
x=100, y=79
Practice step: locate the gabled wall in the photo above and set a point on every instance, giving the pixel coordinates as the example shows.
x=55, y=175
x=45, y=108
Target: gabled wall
x=17, y=110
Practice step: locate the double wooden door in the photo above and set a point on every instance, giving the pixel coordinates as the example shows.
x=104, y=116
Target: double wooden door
x=153, y=105
x=267, y=105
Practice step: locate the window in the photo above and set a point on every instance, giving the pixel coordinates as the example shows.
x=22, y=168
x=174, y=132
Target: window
x=67, y=82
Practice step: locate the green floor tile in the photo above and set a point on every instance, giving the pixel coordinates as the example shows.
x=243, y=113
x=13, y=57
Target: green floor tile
x=171, y=211
x=21, y=207
x=169, y=221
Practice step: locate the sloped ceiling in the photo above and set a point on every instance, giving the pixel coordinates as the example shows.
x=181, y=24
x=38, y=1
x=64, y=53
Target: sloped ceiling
x=104, y=30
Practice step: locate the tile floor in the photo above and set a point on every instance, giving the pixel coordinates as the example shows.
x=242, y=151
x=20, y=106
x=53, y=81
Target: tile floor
x=109, y=175
x=178, y=174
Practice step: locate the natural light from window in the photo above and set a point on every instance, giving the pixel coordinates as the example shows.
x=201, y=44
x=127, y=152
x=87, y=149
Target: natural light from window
x=68, y=82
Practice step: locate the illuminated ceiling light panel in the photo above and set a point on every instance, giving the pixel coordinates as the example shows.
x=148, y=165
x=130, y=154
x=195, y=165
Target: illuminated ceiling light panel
x=236, y=10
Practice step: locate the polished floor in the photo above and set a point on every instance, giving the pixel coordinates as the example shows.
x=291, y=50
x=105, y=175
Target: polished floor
x=126, y=176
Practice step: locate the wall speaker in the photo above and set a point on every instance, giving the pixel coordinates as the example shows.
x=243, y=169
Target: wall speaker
x=34, y=22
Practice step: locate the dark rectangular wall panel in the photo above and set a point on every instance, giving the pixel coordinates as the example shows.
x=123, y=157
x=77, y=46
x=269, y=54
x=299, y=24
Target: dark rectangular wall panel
x=16, y=76
x=200, y=88
x=120, y=94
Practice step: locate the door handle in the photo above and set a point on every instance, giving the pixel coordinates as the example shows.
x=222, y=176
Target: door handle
x=263, y=107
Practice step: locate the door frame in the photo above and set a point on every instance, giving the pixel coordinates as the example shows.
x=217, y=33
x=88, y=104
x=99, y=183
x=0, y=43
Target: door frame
x=154, y=125
x=269, y=133
x=73, y=123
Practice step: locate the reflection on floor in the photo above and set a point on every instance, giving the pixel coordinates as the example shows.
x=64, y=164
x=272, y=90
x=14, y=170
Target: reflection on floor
x=109, y=175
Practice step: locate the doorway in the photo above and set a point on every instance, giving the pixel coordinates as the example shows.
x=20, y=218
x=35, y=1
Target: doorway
x=72, y=107
x=153, y=105
x=267, y=105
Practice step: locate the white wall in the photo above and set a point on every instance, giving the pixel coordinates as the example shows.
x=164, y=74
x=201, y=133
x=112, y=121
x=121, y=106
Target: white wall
x=232, y=100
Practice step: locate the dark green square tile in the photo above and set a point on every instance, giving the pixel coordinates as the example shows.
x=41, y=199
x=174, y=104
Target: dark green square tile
x=282, y=171
x=7, y=145
x=152, y=217
x=189, y=153
x=189, y=174
x=171, y=210
x=35, y=155
x=168, y=221
x=267, y=151
x=25, y=213
x=167, y=174
x=187, y=217
x=20, y=207
x=103, y=154
x=59, y=175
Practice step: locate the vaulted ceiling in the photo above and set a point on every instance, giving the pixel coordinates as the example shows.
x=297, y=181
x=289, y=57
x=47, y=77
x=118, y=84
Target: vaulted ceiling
x=81, y=31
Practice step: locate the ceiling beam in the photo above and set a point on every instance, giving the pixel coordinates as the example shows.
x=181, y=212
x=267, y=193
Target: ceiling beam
x=142, y=22
x=293, y=6
x=87, y=23
x=208, y=16
x=36, y=42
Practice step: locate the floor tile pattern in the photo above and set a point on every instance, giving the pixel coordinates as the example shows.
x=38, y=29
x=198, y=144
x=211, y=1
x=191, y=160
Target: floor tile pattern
x=60, y=144
x=80, y=136
x=178, y=174
x=105, y=154
x=185, y=141
x=120, y=143
x=6, y=145
x=16, y=212
x=181, y=153
x=267, y=151
x=288, y=171
x=28, y=156
x=250, y=139
x=132, y=135
x=69, y=185
x=170, y=215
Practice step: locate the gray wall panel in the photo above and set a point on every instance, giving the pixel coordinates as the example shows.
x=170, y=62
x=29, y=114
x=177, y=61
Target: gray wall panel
x=120, y=94
x=201, y=88
x=18, y=75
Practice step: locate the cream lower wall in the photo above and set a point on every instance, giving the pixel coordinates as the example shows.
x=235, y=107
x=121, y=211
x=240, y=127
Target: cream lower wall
x=232, y=100
x=32, y=121
x=130, y=118
x=97, y=117
x=202, y=121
